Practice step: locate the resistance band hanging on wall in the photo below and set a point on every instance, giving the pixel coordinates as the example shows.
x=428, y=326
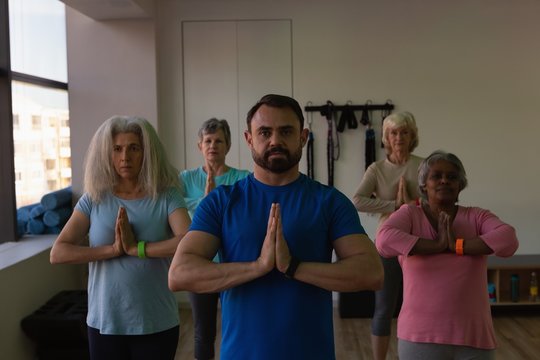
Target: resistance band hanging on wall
x=310, y=144
x=370, y=146
x=332, y=141
x=370, y=155
x=347, y=118
x=384, y=114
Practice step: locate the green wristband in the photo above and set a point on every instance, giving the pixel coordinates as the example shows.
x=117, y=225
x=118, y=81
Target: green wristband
x=141, y=251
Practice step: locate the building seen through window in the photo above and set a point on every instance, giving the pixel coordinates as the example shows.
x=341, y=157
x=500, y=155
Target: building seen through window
x=42, y=141
x=41, y=134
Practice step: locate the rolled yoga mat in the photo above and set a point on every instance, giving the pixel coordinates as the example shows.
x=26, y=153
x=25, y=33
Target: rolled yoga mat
x=23, y=213
x=57, y=217
x=35, y=226
x=37, y=211
x=57, y=199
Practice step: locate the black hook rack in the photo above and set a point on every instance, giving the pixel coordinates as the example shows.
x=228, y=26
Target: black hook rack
x=329, y=108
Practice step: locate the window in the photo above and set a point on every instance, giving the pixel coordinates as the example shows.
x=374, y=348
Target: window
x=50, y=164
x=53, y=122
x=44, y=139
x=52, y=184
x=34, y=115
x=38, y=38
x=36, y=119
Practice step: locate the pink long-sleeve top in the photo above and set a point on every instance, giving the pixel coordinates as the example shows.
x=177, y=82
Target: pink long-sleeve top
x=445, y=296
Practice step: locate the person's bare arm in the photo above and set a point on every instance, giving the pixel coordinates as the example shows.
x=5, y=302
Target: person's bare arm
x=192, y=268
x=474, y=246
x=446, y=241
x=69, y=247
x=358, y=267
x=179, y=222
x=471, y=246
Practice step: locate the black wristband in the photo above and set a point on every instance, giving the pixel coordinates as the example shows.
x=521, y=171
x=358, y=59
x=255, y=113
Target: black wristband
x=291, y=269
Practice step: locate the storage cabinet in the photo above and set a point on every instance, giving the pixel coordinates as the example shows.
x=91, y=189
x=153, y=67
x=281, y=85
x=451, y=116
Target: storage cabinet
x=227, y=67
x=500, y=271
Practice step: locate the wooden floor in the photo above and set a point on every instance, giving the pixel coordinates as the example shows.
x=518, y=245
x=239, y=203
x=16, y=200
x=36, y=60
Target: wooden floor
x=518, y=336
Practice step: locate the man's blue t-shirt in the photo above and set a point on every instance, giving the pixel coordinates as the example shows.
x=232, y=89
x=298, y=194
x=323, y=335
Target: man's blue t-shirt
x=274, y=317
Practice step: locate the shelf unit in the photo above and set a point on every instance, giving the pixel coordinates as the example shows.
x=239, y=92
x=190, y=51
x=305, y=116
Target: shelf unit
x=500, y=271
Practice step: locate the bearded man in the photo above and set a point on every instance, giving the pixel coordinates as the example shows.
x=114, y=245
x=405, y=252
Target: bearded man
x=276, y=231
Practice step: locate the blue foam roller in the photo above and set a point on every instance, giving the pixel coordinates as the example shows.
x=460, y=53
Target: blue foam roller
x=57, y=199
x=35, y=226
x=23, y=213
x=56, y=217
x=37, y=211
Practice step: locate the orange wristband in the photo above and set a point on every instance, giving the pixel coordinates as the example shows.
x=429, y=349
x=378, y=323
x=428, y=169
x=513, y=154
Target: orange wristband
x=459, y=247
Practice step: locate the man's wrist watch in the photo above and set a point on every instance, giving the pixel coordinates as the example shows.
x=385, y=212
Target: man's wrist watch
x=291, y=269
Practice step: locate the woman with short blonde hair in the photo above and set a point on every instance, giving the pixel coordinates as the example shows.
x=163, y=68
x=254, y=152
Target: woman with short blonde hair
x=388, y=184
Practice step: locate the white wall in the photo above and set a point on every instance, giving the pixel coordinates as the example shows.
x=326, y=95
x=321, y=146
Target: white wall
x=111, y=71
x=468, y=70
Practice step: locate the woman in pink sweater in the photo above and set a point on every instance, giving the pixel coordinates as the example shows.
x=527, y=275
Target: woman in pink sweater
x=442, y=248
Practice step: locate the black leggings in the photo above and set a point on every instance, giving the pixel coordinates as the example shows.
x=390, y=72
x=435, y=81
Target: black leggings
x=204, y=309
x=161, y=345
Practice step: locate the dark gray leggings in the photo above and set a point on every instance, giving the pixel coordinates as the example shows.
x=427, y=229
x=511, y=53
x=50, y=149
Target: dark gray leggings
x=204, y=309
x=386, y=298
x=408, y=350
x=161, y=345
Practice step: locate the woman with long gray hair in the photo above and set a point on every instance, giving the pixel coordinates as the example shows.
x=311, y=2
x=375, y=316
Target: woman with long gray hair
x=133, y=216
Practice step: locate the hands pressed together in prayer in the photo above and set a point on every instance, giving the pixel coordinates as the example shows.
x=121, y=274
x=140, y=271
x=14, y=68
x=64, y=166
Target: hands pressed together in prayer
x=275, y=251
x=446, y=239
x=124, y=240
x=403, y=196
x=210, y=182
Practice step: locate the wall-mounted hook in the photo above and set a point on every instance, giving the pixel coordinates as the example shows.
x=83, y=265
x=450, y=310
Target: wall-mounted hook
x=364, y=120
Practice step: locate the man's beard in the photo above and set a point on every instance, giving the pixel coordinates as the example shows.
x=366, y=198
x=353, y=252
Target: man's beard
x=277, y=165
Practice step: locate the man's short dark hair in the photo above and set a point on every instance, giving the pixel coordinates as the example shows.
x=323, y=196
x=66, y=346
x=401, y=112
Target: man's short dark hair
x=277, y=101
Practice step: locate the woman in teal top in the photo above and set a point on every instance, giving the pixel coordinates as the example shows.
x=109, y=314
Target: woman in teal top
x=214, y=144
x=133, y=215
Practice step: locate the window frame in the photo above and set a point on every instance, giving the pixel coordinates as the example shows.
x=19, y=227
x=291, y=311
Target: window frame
x=8, y=212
